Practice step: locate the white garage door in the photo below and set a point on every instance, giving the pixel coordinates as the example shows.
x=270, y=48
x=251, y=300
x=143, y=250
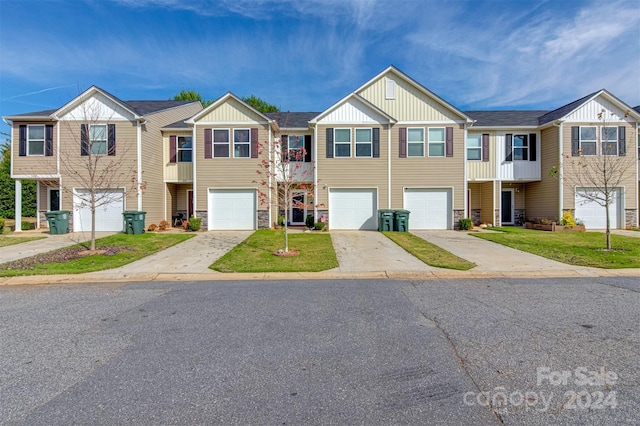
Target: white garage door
x=593, y=214
x=109, y=208
x=352, y=209
x=430, y=208
x=232, y=209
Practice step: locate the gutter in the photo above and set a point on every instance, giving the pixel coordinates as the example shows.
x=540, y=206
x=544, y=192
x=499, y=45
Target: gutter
x=558, y=124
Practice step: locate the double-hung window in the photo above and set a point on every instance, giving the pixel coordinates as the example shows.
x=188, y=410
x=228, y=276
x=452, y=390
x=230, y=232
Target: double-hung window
x=185, y=149
x=520, y=147
x=35, y=140
x=296, y=148
x=415, y=142
x=342, y=143
x=609, y=137
x=588, y=140
x=364, y=142
x=241, y=145
x=220, y=143
x=98, y=139
x=436, y=141
x=474, y=146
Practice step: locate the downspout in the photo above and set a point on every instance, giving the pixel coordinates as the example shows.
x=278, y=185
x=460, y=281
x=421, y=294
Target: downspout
x=139, y=178
x=637, y=155
x=38, y=204
x=270, y=200
x=194, y=181
x=465, y=186
x=389, y=167
x=560, y=168
x=315, y=174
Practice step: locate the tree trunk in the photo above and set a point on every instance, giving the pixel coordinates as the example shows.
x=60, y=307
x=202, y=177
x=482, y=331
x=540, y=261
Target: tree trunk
x=286, y=221
x=608, y=223
x=93, y=222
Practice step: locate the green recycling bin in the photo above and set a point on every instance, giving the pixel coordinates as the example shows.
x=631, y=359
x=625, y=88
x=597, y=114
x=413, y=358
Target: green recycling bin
x=58, y=221
x=385, y=220
x=134, y=221
x=401, y=220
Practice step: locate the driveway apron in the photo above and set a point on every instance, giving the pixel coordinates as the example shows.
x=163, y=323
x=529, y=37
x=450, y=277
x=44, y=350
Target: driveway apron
x=368, y=251
x=490, y=256
x=192, y=256
x=52, y=242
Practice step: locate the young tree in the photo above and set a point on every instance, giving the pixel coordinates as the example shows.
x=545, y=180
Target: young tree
x=602, y=167
x=95, y=158
x=282, y=170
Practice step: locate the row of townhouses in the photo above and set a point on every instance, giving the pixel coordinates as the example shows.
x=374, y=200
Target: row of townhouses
x=390, y=144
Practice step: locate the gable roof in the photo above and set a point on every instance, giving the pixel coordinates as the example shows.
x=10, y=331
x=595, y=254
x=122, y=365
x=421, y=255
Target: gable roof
x=292, y=120
x=150, y=107
x=222, y=100
x=358, y=98
x=414, y=83
x=505, y=118
x=563, y=111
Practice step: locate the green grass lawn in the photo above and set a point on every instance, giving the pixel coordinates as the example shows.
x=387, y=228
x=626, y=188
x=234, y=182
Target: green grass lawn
x=574, y=248
x=121, y=249
x=8, y=241
x=429, y=253
x=255, y=254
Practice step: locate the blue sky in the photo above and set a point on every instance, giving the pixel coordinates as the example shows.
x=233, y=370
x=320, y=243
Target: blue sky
x=306, y=55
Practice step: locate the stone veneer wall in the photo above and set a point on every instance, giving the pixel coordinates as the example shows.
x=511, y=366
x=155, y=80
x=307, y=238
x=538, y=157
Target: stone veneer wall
x=263, y=219
x=457, y=215
x=475, y=216
x=205, y=218
x=326, y=217
x=631, y=218
x=519, y=215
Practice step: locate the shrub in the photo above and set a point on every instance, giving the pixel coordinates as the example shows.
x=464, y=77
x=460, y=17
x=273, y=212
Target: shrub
x=318, y=226
x=280, y=220
x=465, y=224
x=153, y=227
x=26, y=225
x=1, y=224
x=195, y=223
x=567, y=219
x=309, y=221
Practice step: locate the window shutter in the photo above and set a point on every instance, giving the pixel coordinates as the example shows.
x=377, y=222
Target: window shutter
x=254, y=142
x=329, y=142
x=22, y=147
x=622, y=142
x=449, y=142
x=284, y=148
x=376, y=142
x=508, y=144
x=84, y=140
x=402, y=139
x=575, y=141
x=532, y=146
x=111, y=144
x=172, y=148
x=48, y=140
x=307, y=148
x=485, y=147
x=207, y=143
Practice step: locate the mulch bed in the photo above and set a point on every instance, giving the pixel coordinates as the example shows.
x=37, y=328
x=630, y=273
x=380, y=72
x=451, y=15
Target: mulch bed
x=59, y=256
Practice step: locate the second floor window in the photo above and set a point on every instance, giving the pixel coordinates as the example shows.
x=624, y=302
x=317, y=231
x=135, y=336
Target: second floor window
x=35, y=140
x=474, y=147
x=588, y=140
x=415, y=142
x=241, y=145
x=520, y=147
x=436, y=141
x=609, y=140
x=98, y=139
x=185, y=149
x=296, y=148
x=364, y=142
x=221, y=143
x=342, y=143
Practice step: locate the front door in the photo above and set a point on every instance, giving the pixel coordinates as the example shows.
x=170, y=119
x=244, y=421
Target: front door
x=506, y=216
x=54, y=199
x=298, y=208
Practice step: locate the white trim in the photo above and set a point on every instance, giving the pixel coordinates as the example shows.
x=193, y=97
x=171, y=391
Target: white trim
x=295, y=193
x=389, y=166
x=18, y=205
x=560, y=167
x=315, y=176
x=343, y=143
x=194, y=181
x=35, y=177
x=465, y=183
x=139, y=171
x=424, y=142
x=44, y=140
x=233, y=143
x=355, y=142
x=438, y=123
x=230, y=123
x=38, y=204
x=213, y=142
x=513, y=205
x=428, y=140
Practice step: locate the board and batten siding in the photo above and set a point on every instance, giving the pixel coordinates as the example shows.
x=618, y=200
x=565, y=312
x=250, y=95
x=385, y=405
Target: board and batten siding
x=231, y=111
x=175, y=172
x=542, y=198
x=630, y=177
x=428, y=172
x=409, y=104
x=153, y=158
x=352, y=172
x=33, y=165
x=482, y=170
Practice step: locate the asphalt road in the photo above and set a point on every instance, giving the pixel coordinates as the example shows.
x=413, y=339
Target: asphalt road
x=493, y=351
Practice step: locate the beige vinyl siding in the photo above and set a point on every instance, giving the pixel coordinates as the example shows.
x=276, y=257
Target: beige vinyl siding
x=519, y=196
x=541, y=198
x=73, y=166
x=630, y=160
x=230, y=111
x=428, y=172
x=488, y=203
x=154, y=160
x=175, y=172
x=226, y=172
x=352, y=172
x=410, y=104
x=33, y=165
x=43, y=207
x=475, y=193
x=478, y=169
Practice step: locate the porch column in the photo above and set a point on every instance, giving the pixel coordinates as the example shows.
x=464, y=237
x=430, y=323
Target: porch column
x=18, y=206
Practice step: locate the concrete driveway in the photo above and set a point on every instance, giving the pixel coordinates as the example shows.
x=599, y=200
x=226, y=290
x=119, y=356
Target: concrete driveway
x=371, y=251
x=494, y=257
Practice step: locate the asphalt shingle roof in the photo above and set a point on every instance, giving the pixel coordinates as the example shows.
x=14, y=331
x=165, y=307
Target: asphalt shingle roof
x=505, y=118
x=149, y=107
x=564, y=110
x=45, y=113
x=292, y=119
